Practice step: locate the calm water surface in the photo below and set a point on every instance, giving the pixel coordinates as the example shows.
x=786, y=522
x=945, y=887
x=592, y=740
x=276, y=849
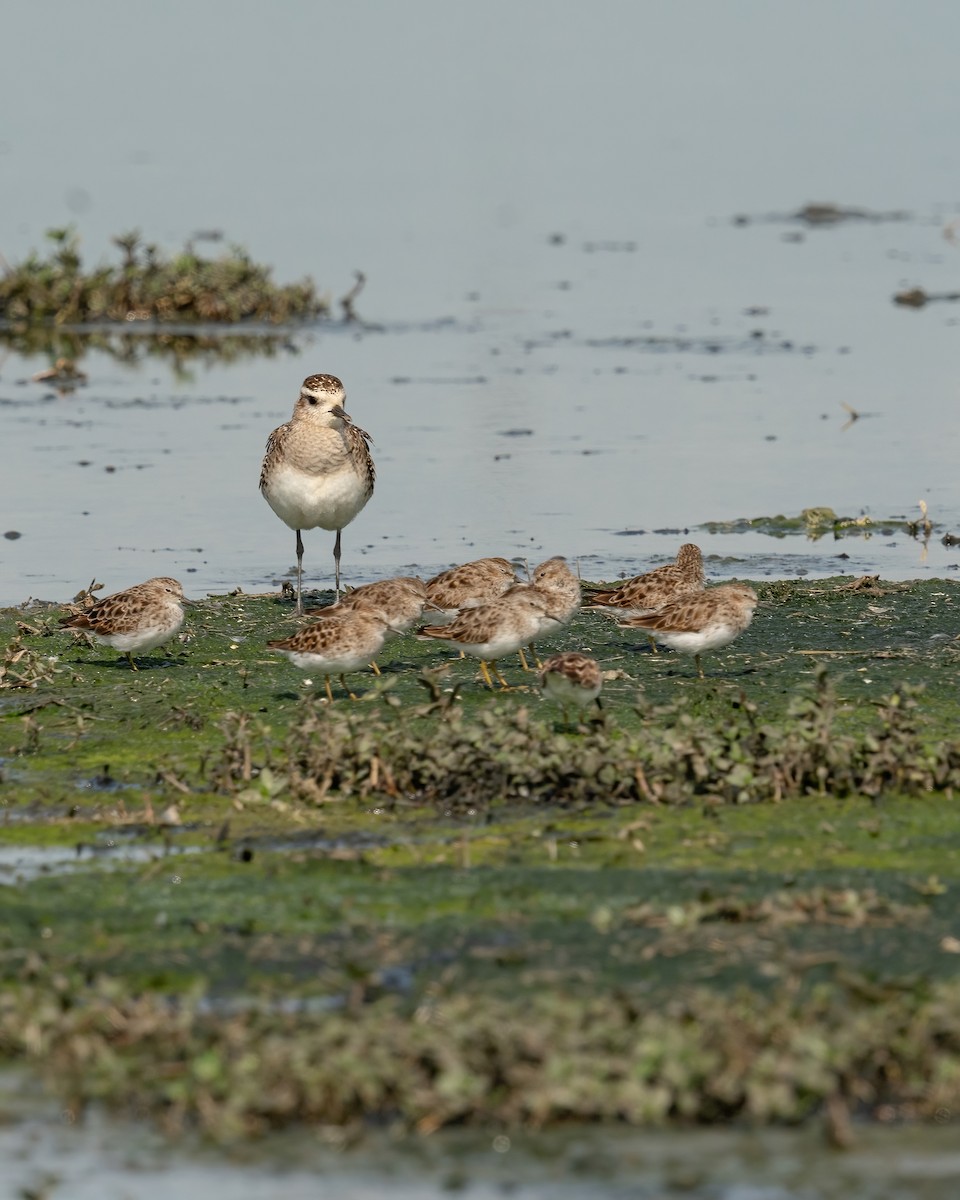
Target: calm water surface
x=576, y=342
x=48, y=1153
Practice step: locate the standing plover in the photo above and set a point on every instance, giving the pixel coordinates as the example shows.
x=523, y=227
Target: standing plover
x=317, y=472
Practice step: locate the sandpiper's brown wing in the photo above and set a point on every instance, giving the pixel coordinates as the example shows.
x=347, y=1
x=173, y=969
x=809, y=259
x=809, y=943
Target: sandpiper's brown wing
x=120, y=613
x=479, y=580
x=655, y=588
x=473, y=626
x=320, y=636
x=386, y=588
x=685, y=614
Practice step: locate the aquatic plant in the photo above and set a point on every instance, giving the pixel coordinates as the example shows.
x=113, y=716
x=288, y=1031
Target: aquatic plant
x=477, y=759
x=550, y=1057
x=147, y=285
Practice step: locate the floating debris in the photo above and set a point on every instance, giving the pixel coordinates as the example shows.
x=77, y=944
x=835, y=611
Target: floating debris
x=813, y=522
x=917, y=297
x=823, y=214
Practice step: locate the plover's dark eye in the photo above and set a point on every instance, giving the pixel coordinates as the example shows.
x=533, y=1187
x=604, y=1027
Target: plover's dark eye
x=313, y=400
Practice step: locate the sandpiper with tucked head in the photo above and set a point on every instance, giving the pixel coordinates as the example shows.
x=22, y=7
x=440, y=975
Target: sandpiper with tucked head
x=653, y=589
x=137, y=619
x=467, y=586
x=700, y=621
x=345, y=641
x=317, y=472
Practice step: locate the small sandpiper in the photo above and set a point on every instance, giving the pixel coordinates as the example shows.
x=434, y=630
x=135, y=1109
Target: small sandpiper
x=345, y=641
x=559, y=587
x=139, y=618
x=399, y=601
x=571, y=678
x=700, y=621
x=317, y=472
x=490, y=631
x=652, y=590
x=480, y=581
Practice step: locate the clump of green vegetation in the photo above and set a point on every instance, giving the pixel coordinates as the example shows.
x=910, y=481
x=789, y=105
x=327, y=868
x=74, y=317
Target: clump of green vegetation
x=476, y=759
x=815, y=523
x=149, y=286
x=697, y=1058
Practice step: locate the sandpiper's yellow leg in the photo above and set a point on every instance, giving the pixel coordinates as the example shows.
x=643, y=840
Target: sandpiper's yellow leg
x=485, y=672
x=503, y=682
x=376, y=669
x=326, y=680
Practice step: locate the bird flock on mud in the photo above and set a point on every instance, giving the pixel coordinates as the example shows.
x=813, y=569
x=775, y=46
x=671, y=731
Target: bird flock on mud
x=318, y=473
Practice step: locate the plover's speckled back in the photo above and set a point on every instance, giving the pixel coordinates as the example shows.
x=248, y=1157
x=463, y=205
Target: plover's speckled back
x=700, y=621
x=317, y=472
x=140, y=618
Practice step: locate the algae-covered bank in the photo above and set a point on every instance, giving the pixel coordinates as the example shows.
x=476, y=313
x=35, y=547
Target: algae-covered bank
x=230, y=905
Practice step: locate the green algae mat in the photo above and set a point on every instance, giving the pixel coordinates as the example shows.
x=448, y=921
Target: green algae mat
x=225, y=903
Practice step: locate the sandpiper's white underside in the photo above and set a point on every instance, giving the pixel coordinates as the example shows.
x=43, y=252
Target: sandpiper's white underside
x=558, y=687
x=713, y=637
x=145, y=638
x=333, y=664
x=506, y=642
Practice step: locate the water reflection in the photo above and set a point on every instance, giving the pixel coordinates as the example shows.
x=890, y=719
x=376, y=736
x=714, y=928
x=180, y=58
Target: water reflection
x=185, y=350
x=58, y=1153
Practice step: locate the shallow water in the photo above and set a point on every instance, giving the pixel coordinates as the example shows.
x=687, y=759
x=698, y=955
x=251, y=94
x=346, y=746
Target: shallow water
x=101, y=1158
x=575, y=339
x=20, y=864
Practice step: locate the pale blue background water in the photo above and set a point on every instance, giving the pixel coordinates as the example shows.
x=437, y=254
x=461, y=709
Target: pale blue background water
x=438, y=147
